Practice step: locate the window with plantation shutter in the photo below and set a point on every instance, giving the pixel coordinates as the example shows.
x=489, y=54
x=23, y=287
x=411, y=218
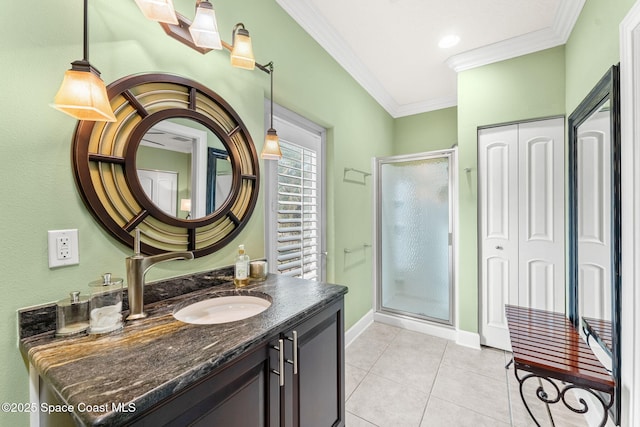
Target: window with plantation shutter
x=295, y=231
x=297, y=216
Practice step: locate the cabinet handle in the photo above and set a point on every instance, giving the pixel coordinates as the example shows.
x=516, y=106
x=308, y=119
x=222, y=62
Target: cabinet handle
x=499, y=248
x=280, y=371
x=295, y=352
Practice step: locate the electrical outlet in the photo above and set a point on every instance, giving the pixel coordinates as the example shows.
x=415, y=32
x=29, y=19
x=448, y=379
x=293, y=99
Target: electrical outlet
x=63, y=248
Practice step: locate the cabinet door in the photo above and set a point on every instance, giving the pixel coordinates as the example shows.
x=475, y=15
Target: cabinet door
x=246, y=393
x=316, y=392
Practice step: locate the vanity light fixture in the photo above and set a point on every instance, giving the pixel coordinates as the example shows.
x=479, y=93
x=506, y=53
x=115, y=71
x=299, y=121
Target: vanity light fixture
x=241, y=50
x=83, y=94
x=203, y=36
x=204, y=29
x=158, y=10
x=271, y=147
x=185, y=206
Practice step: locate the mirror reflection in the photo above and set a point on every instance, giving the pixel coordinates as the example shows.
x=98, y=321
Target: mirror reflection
x=184, y=168
x=594, y=216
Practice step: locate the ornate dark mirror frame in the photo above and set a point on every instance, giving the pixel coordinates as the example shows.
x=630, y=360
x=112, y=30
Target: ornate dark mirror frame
x=104, y=161
x=607, y=89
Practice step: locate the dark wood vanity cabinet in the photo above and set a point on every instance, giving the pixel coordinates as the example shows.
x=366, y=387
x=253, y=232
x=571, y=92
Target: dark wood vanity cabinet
x=249, y=391
x=313, y=395
x=244, y=393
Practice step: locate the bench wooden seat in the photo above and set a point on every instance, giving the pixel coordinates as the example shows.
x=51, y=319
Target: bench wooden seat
x=547, y=346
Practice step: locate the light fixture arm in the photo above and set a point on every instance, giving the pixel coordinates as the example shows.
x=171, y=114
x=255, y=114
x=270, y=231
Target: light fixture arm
x=83, y=64
x=85, y=35
x=83, y=94
x=268, y=68
x=238, y=26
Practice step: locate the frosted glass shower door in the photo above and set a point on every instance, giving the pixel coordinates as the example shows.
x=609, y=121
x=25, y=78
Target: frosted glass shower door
x=414, y=229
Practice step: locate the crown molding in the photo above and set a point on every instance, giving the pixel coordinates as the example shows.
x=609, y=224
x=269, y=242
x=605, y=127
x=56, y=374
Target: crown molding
x=312, y=21
x=425, y=106
x=556, y=35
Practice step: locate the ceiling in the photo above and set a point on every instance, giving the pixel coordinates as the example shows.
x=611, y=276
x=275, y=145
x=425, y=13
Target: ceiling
x=391, y=46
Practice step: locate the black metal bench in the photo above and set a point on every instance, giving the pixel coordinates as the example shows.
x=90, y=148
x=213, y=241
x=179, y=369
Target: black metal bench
x=547, y=346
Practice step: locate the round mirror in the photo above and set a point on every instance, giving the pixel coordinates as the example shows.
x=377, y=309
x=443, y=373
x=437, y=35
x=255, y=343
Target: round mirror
x=184, y=168
x=178, y=164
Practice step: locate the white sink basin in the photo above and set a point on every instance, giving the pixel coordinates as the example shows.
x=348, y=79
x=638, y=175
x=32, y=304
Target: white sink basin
x=222, y=309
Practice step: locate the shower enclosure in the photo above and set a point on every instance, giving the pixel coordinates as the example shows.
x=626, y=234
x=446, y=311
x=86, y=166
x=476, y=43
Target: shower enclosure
x=414, y=235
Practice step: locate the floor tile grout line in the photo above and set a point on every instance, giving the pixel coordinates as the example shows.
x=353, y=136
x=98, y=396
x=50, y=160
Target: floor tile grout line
x=506, y=370
x=452, y=402
x=368, y=371
x=364, y=419
x=387, y=344
x=435, y=378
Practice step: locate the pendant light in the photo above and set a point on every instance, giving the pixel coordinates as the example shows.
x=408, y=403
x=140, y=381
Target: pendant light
x=158, y=10
x=83, y=94
x=204, y=29
x=271, y=148
x=242, y=51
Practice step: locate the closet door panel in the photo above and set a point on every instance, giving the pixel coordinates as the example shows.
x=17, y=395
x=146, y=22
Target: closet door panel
x=498, y=179
x=521, y=221
x=541, y=215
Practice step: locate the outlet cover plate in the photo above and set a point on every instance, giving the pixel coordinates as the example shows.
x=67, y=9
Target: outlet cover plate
x=63, y=248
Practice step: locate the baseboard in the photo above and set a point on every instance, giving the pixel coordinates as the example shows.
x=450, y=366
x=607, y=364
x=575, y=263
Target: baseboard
x=468, y=339
x=441, y=331
x=464, y=338
x=359, y=327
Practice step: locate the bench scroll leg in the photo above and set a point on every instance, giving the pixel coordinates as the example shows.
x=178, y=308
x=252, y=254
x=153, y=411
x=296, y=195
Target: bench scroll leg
x=540, y=393
x=584, y=407
x=559, y=395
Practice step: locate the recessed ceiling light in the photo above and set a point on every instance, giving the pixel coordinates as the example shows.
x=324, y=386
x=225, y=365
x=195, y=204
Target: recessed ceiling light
x=448, y=41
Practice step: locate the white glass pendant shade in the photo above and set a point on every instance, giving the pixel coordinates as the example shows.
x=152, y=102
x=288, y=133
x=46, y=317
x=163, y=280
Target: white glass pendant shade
x=242, y=51
x=158, y=10
x=83, y=96
x=204, y=28
x=271, y=147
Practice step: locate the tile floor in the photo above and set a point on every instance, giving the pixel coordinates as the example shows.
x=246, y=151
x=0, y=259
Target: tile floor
x=399, y=378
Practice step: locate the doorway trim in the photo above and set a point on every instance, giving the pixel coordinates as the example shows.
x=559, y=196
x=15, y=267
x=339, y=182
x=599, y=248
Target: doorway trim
x=630, y=180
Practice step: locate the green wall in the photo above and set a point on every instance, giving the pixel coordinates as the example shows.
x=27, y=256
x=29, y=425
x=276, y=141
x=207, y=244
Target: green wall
x=526, y=87
x=35, y=141
x=486, y=95
x=435, y=130
x=593, y=47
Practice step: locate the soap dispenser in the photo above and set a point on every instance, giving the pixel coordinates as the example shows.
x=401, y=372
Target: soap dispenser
x=241, y=276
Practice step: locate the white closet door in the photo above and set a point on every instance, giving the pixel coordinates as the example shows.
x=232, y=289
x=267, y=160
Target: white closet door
x=594, y=209
x=498, y=177
x=161, y=187
x=521, y=177
x=541, y=215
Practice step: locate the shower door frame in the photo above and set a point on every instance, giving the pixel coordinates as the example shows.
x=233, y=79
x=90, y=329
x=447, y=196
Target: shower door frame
x=378, y=162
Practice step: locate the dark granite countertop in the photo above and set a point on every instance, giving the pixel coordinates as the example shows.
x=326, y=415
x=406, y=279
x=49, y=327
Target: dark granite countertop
x=152, y=358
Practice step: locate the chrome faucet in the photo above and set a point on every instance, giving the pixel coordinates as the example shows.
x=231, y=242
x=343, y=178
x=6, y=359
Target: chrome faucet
x=137, y=267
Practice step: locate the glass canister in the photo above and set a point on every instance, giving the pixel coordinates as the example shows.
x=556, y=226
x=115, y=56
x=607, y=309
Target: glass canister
x=72, y=315
x=106, y=305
